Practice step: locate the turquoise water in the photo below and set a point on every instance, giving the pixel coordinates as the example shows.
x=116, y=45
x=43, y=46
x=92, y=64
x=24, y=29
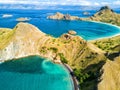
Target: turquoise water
x=87, y=30
x=34, y=73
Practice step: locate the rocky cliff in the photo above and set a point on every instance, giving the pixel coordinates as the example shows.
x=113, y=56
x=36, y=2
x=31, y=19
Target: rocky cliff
x=22, y=42
x=60, y=16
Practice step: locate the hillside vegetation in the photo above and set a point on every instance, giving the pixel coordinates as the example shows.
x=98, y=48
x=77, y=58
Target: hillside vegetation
x=5, y=37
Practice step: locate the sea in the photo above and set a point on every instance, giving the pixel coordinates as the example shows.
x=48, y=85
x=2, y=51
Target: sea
x=85, y=29
x=34, y=73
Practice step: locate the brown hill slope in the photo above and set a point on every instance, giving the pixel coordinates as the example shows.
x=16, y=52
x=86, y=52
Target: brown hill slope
x=105, y=14
x=110, y=79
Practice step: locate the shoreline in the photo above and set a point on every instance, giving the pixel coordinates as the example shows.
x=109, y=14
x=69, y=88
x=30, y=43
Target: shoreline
x=109, y=24
x=74, y=79
x=104, y=37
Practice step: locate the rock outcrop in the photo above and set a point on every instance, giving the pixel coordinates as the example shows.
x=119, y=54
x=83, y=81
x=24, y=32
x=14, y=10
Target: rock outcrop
x=22, y=19
x=72, y=32
x=105, y=14
x=86, y=13
x=60, y=16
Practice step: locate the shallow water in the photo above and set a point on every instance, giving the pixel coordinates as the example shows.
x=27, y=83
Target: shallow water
x=34, y=73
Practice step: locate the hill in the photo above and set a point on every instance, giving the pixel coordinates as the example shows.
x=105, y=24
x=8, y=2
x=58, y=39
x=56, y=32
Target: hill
x=105, y=14
x=84, y=57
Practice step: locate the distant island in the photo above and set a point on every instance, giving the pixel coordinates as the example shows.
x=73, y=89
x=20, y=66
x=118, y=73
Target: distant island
x=60, y=16
x=105, y=14
x=22, y=19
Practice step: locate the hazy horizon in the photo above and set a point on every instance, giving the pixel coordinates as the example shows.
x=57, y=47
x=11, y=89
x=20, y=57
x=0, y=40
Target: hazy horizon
x=54, y=4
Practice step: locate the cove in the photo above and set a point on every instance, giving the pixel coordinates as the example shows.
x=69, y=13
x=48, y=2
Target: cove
x=34, y=73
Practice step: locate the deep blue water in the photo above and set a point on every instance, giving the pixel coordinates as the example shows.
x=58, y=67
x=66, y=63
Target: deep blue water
x=88, y=30
x=34, y=73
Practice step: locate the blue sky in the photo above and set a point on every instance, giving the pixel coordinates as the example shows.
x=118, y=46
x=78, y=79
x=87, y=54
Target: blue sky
x=63, y=2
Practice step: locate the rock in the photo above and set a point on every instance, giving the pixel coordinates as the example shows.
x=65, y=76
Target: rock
x=60, y=16
x=72, y=32
x=86, y=13
x=66, y=36
x=22, y=19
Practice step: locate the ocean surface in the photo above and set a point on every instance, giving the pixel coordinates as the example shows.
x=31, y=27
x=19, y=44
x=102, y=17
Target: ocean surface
x=87, y=30
x=34, y=73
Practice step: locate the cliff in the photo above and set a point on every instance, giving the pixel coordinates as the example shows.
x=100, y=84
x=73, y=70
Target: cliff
x=20, y=42
x=105, y=14
x=60, y=16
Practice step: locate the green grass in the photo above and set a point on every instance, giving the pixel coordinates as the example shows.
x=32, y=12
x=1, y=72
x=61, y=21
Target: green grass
x=108, y=44
x=5, y=37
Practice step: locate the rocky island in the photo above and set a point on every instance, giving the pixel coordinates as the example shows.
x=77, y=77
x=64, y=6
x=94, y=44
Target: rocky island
x=87, y=59
x=60, y=16
x=22, y=19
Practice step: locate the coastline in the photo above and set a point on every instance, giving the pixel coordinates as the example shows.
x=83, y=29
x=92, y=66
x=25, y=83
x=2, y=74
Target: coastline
x=104, y=37
x=74, y=79
x=117, y=34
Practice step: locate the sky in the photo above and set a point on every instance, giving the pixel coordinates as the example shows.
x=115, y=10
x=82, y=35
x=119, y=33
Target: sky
x=43, y=4
x=63, y=2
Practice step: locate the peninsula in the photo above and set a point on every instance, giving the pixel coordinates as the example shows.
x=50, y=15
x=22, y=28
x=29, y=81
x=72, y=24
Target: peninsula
x=85, y=58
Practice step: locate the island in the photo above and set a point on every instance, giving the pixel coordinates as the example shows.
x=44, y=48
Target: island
x=105, y=14
x=60, y=16
x=22, y=19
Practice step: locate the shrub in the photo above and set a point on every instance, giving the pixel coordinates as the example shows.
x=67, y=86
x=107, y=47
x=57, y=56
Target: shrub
x=54, y=49
x=63, y=59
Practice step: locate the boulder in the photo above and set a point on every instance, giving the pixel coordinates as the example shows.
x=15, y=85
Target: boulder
x=72, y=32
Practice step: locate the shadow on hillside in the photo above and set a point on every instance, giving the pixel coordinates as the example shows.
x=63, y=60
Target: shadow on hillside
x=94, y=74
x=112, y=56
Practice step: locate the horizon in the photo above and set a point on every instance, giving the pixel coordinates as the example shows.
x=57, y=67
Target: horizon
x=54, y=4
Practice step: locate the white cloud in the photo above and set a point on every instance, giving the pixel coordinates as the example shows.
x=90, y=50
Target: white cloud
x=96, y=4
x=57, y=2
x=47, y=2
x=105, y=3
x=116, y=2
